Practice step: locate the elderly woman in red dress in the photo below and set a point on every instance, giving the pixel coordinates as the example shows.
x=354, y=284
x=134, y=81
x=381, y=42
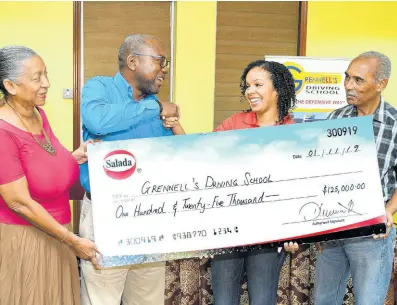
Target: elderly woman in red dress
x=37, y=249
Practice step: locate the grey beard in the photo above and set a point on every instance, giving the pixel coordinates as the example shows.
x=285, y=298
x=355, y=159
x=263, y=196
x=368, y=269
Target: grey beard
x=147, y=87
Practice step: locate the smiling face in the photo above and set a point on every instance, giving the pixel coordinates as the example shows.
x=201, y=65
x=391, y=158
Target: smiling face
x=260, y=91
x=32, y=85
x=149, y=74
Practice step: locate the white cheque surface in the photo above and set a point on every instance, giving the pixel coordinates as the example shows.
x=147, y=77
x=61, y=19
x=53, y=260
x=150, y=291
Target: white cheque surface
x=181, y=196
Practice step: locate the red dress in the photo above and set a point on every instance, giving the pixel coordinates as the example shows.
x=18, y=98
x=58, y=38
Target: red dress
x=49, y=177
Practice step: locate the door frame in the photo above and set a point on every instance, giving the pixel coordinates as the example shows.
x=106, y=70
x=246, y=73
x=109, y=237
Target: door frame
x=302, y=30
x=77, y=36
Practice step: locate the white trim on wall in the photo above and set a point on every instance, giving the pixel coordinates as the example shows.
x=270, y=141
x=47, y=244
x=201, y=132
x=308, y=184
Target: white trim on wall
x=81, y=61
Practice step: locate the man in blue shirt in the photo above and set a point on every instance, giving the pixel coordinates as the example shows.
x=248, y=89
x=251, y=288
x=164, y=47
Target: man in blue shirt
x=120, y=108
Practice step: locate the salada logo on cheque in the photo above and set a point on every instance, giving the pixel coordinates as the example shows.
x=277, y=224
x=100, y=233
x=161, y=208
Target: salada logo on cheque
x=119, y=164
x=314, y=82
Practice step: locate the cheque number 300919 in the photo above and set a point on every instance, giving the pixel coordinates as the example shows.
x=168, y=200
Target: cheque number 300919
x=342, y=131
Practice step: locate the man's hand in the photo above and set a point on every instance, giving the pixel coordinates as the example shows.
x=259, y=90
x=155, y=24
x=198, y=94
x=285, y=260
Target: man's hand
x=169, y=110
x=389, y=223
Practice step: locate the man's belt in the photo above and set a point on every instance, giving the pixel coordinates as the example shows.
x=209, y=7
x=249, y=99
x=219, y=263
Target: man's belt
x=88, y=195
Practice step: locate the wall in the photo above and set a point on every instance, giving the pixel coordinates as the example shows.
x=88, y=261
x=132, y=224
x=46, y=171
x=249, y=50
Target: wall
x=47, y=28
x=109, y=22
x=247, y=31
x=194, y=61
x=335, y=29
x=52, y=38
x=346, y=29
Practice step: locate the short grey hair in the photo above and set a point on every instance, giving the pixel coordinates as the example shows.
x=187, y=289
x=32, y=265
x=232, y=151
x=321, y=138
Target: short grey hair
x=383, y=68
x=132, y=44
x=11, y=58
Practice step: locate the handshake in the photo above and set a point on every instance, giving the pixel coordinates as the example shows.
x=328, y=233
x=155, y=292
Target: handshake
x=169, y=114
x=168, y=110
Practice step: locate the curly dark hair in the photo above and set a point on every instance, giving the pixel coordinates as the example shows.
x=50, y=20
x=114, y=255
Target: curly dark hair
x=283, y=83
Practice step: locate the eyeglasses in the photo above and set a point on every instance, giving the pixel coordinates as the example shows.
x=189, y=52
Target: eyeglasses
x=164, y=62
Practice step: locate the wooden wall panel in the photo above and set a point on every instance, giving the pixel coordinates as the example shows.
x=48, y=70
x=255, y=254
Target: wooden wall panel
x=106, y=24
x=247, y=31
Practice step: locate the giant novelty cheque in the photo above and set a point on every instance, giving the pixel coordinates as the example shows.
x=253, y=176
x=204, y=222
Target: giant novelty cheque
x=185, y=196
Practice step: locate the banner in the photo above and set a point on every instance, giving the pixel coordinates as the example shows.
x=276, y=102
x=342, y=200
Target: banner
x=174, y=197
x=318, y=84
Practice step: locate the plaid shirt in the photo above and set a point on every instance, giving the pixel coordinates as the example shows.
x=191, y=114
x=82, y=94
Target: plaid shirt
x=385, y=131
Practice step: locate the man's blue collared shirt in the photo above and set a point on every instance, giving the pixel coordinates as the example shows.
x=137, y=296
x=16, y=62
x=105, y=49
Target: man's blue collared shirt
x=109, y=113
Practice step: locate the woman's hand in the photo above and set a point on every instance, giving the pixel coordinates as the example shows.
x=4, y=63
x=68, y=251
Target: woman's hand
x=80, y=154
x=85, y=249
x=171, y=122
x=291, y=247
x=174, y=125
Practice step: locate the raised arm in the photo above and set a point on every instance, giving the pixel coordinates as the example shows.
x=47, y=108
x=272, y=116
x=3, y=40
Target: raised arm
x=102, y=116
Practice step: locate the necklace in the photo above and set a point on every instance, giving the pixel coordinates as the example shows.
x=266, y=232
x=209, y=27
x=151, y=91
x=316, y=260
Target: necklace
x=47, y=146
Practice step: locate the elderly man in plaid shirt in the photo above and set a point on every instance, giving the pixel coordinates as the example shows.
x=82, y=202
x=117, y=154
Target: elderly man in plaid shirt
x=369, y=259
